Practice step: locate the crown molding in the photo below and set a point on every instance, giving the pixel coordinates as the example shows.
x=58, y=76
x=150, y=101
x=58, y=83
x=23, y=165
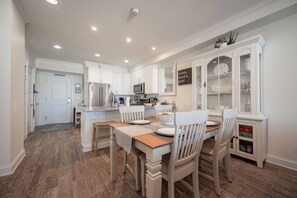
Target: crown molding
x=21, y=10
x=256, y=39
x=248, y=16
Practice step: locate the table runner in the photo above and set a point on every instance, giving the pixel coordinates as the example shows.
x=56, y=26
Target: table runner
x=125, y=134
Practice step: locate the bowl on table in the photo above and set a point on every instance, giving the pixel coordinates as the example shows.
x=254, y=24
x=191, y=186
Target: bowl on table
x=166, y=118
x=148, y=104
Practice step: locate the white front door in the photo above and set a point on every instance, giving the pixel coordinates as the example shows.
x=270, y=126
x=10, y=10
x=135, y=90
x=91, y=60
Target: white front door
x=58, y=99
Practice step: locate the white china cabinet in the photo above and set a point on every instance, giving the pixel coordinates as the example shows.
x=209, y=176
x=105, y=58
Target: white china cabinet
x=231, y=77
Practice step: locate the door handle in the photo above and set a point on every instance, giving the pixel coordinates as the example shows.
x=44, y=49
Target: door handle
x=68, y=100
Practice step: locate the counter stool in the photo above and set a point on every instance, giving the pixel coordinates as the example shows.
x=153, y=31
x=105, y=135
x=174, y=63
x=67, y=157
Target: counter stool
x=97, y=129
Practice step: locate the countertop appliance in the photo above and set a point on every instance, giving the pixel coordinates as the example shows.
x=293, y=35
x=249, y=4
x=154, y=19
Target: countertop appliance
x=99, y=94
x=138, y=88
x=141, y=102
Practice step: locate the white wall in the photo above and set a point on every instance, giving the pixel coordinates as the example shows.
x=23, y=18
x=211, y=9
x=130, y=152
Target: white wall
x=12, y=60
x=280, y=92
x=17, y=82
x=77, y=98
x=30, y=57
x=5, y=84
x=61, y=66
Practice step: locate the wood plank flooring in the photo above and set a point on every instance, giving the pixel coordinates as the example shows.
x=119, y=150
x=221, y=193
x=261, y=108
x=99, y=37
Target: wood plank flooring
x=55, y=166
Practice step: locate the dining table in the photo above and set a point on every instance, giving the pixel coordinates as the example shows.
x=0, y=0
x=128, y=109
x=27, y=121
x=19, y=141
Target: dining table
x=149, y=142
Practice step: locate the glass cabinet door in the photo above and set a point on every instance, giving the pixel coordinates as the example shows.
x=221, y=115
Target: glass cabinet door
x=246, y=136
x=198, y=87
x=245, y=83
x=219, y=83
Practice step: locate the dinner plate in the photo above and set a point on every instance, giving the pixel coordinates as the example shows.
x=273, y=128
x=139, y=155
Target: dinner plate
x=211, y=123
x=166, y=131
x=140, y=122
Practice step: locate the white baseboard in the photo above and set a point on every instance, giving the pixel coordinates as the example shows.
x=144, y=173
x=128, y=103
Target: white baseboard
x=15, y=163
x=287, y=163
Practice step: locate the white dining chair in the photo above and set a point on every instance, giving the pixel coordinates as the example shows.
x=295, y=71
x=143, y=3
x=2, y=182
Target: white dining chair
x=129, y=114
x=218, y=148
x=162, y=108
x=185, y=150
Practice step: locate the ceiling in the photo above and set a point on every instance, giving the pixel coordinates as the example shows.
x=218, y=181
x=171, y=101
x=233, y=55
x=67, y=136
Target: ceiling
x=164, y=24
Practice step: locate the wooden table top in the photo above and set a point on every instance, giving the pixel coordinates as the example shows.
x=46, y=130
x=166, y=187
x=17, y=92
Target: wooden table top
x=154, y=140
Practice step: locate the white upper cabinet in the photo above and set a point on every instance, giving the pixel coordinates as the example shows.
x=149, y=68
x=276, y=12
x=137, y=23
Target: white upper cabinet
x=167, y=76
x=137, y=77
x=117, y=82
x=230, y=77
x=126, y=88
x=105, y=76
x=121, y=83
x=93, y=74
x=98, y=75
x=151, y=79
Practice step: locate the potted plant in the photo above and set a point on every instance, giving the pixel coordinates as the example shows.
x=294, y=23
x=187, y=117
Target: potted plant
x=223, y=41
x=232, y=38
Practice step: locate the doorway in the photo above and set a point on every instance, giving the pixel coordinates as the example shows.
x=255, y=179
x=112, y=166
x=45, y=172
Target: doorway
x=29, y=100
x=58, y=99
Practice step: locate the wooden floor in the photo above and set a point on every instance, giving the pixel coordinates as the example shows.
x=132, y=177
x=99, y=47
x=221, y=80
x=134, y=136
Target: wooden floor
x=55, y=166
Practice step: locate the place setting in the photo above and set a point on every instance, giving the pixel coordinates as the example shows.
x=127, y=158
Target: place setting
x=170, y=132
x=140, y=122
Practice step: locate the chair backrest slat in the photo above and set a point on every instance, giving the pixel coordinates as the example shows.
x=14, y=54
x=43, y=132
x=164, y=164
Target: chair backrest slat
x=227, y=128
x=131, y=113
x=188, y=139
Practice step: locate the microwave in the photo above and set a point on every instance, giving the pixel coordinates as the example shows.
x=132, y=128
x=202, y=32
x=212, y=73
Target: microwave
x=138, y=88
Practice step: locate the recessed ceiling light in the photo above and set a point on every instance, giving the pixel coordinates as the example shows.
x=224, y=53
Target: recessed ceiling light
x=55, y=2
x=57, y=47
x=97, y=55
x=153, y=48
x=94, y=28
x=128, y=40
x=126, y=61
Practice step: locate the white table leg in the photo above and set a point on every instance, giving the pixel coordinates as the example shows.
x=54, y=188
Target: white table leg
x=114, y=156
x=153, y=179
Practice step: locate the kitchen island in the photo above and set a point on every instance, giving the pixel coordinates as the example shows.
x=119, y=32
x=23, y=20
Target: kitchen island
x=89, y=115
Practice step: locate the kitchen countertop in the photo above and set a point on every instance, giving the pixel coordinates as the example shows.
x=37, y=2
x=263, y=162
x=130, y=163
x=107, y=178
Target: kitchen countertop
x=103, y=109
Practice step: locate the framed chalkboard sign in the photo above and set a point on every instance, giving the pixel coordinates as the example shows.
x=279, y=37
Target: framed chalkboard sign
x=185, y=76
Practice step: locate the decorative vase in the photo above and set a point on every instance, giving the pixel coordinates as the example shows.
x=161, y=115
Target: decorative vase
x=247, y=106
x=221, y=45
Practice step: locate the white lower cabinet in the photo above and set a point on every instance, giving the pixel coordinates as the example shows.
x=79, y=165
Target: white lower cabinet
x=250, y=140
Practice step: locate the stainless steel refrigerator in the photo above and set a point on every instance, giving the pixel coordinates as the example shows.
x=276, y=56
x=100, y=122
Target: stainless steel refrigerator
x=99, y=94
